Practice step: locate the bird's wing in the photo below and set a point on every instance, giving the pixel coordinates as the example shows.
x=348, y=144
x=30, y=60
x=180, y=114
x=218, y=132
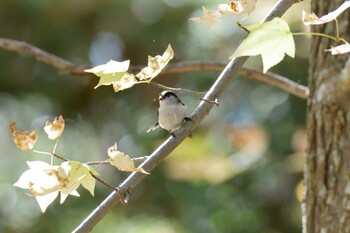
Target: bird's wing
x=153, y=127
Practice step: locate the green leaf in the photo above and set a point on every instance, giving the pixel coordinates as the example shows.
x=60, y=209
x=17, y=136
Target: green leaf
x=110, y=72
x=271, y=40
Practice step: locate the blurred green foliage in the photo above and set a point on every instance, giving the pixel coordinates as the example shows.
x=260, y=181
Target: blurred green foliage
x=246, y=139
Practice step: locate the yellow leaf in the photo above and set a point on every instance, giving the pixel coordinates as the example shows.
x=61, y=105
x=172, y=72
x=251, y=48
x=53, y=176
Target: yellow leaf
x=110, y=72
x=127, y=81
x=24, y=140
x=110, y=68
x=208, y=17
x=122, y=161
x=78, y=174
x=54, y=130
x=45, y=181
x=156, y=64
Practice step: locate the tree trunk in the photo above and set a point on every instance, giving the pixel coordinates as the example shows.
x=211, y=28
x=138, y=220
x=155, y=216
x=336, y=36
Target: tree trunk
x=326, y=204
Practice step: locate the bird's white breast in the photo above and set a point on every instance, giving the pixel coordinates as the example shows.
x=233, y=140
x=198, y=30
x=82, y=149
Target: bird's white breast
x=171, y=116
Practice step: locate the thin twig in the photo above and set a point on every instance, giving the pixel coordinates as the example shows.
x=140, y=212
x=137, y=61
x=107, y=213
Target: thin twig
x=59, y=157
x=195, y=93
x=50, y=153
x=140, y=159
x=244, y=28
x=104, y=182
x=122, y=197
x=105, y=162
x=181, y=67
x=171, y=143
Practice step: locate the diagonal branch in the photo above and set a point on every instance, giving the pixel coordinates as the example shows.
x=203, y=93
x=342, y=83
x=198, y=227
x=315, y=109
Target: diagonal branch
x=171, y=143
x=71, y=68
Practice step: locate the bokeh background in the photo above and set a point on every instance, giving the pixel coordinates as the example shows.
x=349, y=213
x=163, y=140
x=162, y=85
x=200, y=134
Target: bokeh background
x=240, y=172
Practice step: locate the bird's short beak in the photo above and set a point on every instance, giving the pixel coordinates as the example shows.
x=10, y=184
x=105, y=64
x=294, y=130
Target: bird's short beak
x=161, y=97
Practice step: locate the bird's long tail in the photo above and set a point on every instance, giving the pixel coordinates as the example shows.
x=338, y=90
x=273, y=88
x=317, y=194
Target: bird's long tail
x=153, y=127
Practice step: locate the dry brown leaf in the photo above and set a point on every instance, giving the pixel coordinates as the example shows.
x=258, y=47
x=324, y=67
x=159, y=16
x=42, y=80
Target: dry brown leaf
x=312, y=19
x=127, y=81
x=156, y=64
x=54, y=130
x=122, y=161
x=237, y=7
x=24, y=140
x=208, y=17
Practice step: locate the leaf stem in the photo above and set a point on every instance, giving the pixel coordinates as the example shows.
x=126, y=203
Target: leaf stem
x=106, y=162
x=52, y=154
x=54, y=150
x=316, y=34
x=337, y=28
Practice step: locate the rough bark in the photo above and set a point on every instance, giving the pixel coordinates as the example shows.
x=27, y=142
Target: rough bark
x=326, y=205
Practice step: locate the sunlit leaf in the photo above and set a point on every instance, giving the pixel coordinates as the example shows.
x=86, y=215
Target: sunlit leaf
x=340, y=49
x=110, y=72
x=156, y=64
x=122, y=161
x=40, y=179
x=237, y=7
x=45, y=181
x=78, y=174
x=54, y=130
x=127, y=81
x=272, y=40
x=312, y=19
x=64, y=196
x=208, y=17
x=24, y=140
x=46, y=200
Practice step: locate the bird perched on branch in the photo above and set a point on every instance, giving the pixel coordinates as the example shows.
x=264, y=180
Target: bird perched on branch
x=171, y=112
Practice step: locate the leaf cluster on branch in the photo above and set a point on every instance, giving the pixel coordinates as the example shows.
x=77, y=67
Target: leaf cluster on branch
x=46, y=180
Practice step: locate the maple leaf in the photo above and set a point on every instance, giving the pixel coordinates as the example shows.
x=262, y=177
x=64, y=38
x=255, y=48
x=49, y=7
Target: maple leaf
x=156, y=64
x=54, y=130
x=45, y=181
x=24, y=140
x=122, y=161
x=208, y=17
x=312, y=19
x=110, y=72
x=127, y=81
x=78, y=173
x=237, y=7
x=272, y=40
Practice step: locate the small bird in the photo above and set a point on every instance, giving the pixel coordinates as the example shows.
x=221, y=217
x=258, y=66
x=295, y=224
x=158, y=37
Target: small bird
x=171, y=112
